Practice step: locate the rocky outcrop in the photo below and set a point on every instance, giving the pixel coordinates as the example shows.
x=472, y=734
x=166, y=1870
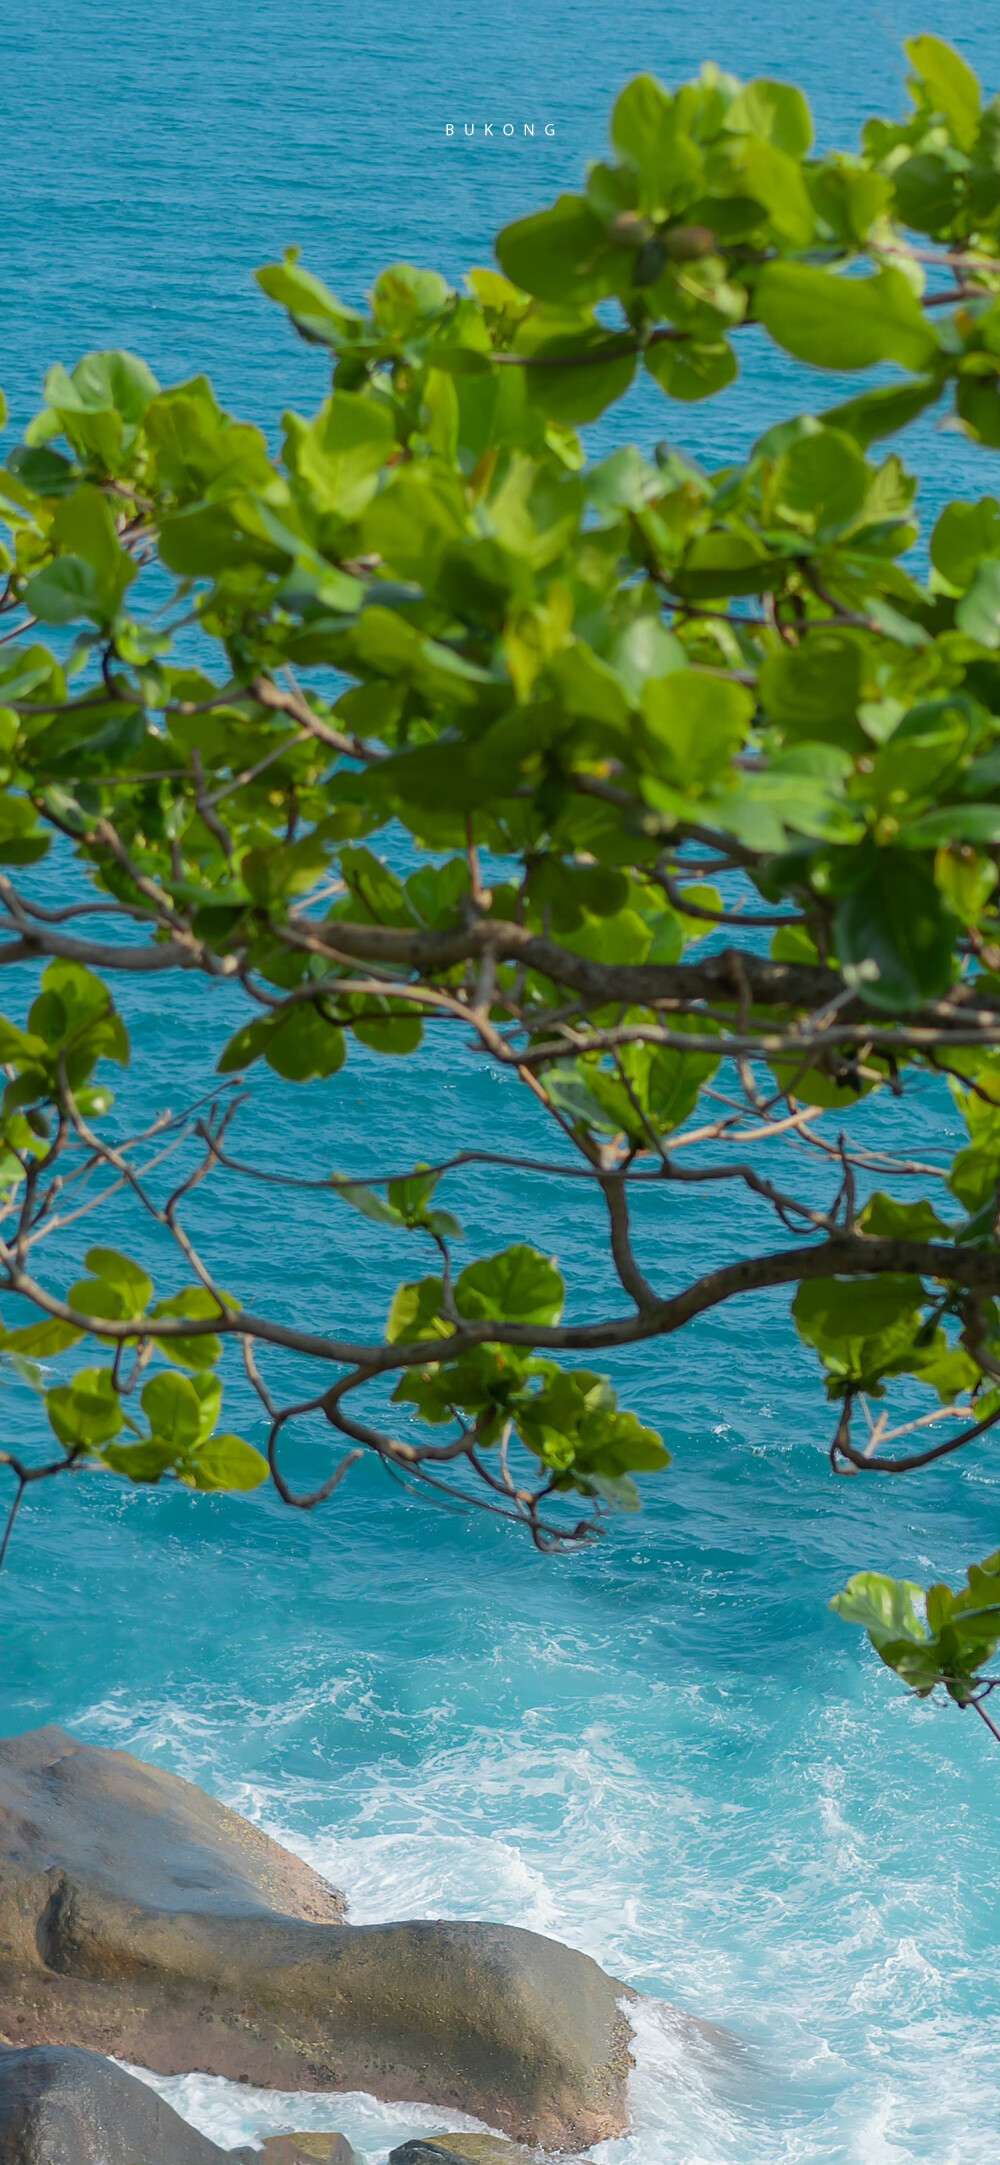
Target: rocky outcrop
x=140, y=1918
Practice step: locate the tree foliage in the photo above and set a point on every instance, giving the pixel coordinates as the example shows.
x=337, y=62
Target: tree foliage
x=697, y=775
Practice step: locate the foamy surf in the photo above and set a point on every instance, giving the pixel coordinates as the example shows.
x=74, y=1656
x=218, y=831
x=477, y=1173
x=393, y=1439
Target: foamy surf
x=232, y=2113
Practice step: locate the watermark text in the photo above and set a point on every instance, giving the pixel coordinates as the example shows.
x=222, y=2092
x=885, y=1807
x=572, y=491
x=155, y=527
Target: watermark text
x=499, y=127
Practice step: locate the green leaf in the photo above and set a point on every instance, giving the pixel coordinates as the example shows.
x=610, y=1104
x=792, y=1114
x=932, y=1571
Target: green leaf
x=63, y=591
x=929, y=192
x=693, y=725
x=411, y=522
x=653, y=132
x=821, y=482
x=370, y=1204
x=128, y=1278
x=645, y=649
x=966, y=879
x=776, y=111
x=226, y=1462
x=416, y=1313
x=883, y=1606
x=340, y=454
x=173, y=1409
x=580, y=391
x=561, y=255
x=396, y=1035
x=951, y=86
x=859, y=1327
x=676, y=1079
x=41, y=1341
x=963, y=535
x=197, y=1352
x=640, y=121
x=87, y=1412
x=813, y=690
x=380, y=897
x=18, y=1045
x=243, y=1048
x=618, y=1492
x=623, y=937
x=93, y=1297
x=84, y=525
x=881, y=413
x=44, y=472
x=843, y=323
x=978, y=613
x=692, y=370
x=894, y=934
x=574, y=1424
x=304, y=1047
x=405, y=297
x=140, y=1461
x=886, y=1219
x=71, y=999
x=411, y=1195
x=298, y=1043
x=775, y=180
x=517, y=1286
x=315, y=311
x=103, y=382
x=977, y=401
x=445, y=1225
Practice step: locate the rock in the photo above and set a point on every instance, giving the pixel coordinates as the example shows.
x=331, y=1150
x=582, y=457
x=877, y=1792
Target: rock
x=59, y=2106
x=141, y=1919
x=462, y=2150
x=63, y=2107
x=303, y=2150
x=141, y=1835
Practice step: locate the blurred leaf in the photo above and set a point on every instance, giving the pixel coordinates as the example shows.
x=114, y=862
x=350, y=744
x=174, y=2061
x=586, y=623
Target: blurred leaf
x=843, y=323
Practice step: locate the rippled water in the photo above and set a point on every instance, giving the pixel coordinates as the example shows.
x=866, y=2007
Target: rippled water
x=666, y=1752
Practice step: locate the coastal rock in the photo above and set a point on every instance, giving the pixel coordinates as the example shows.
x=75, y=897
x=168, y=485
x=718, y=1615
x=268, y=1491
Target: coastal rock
x=299, y=2150
x=63, y=2107
x=60, y=2106
x=462, y=2150
x=140, y=1918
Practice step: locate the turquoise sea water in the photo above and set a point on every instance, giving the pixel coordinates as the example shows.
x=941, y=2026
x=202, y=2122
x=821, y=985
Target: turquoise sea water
x=665, y=1752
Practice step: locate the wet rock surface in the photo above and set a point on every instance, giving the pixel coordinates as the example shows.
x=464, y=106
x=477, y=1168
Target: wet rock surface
x=59, y=2106
x=463, y=2150
x=140, y=1918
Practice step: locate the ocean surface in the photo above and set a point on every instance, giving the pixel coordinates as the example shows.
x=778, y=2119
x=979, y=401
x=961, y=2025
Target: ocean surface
x=666, y=1751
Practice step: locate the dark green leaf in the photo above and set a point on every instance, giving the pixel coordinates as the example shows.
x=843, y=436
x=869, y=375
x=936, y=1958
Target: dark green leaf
x=894, y=934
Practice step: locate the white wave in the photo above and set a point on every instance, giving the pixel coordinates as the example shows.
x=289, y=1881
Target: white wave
x=234, y=2112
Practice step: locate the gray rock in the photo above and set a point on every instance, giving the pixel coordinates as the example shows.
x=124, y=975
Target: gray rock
x=138, y=1834
x=62, y=2107
x=420, y=2152
x=140, y=1918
